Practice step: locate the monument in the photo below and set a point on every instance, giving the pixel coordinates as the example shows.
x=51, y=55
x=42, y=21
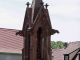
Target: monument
x=37, y=31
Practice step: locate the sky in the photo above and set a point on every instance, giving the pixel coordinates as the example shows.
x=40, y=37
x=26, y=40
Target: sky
x=64, y=16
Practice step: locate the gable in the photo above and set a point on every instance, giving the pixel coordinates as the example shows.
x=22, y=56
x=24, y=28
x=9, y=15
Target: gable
x=73, y=54
x=42, y=19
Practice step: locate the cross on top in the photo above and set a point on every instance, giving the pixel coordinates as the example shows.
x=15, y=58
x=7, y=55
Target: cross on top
x=28, y=4
x=46, y=5
x=41, y=3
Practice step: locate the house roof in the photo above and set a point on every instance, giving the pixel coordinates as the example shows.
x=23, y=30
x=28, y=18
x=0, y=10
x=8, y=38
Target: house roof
x=58, y=53
x=9, y=42
x=72, y=47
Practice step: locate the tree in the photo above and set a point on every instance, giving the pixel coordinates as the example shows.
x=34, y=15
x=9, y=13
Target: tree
x=58, y=44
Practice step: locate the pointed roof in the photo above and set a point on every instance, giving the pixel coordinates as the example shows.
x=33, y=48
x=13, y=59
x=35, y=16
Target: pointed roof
x=35, y=9
x=36, y=3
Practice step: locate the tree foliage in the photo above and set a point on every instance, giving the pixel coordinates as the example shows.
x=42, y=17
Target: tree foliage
x=58, y=44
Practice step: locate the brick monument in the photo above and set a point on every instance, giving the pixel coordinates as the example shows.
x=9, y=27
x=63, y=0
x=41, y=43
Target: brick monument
x=37, y=32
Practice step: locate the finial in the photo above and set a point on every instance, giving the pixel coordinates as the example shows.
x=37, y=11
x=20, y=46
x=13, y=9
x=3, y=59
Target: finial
x=41, y=3
x=46, y=5
x=28, y=4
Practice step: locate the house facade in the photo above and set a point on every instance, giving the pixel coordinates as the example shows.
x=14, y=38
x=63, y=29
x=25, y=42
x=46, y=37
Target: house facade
x=10, y=56
x=72, y=52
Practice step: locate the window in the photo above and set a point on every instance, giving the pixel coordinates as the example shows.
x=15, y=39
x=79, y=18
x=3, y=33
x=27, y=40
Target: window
x=66, y=57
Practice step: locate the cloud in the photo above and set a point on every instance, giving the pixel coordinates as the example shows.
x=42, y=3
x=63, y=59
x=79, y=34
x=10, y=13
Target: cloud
x=20, y=0
x=69, y=31
x=71, y=11
x=67, y=13
x=62, y=2
x=68, y=8
x=78, y=3
x=8, y=20
x=25, y=1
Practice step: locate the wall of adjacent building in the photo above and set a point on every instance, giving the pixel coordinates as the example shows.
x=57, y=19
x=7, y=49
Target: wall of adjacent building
x=6, y=56
x=73, y=54
x=77, y=58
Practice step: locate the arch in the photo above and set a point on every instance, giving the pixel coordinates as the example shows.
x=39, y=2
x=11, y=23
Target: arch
x=39, y=42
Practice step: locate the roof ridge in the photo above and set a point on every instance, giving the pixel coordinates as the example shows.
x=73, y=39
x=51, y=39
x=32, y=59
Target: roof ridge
x=9, y=29
x=58, y=49
x=36, y=3
x=75, y=41
x=37, y=15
